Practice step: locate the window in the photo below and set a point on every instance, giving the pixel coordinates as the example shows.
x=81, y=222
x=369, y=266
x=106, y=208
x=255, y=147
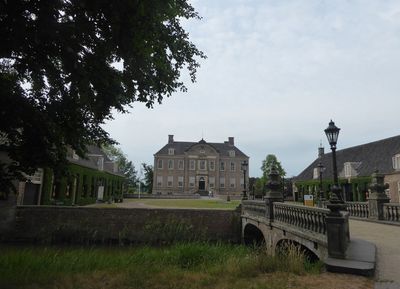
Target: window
x=100, y=163
x=192, y=165
x=180, y=182
x=160, y=164
x=159, y=181
x=315, y=174
x=170, y=181
x=212, y=165
x=211, y=182
x=232, y=182
x=222, y=166
x=171, y=151
x=347, y=170
x=396, y=162
x=202, y=165
x=233, y=167
x=170, y=164
x=222, y=182
x=231, y=153
x=191, y=182
x=180, y=165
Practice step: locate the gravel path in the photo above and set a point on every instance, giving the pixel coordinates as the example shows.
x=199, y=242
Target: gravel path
x=387, y=240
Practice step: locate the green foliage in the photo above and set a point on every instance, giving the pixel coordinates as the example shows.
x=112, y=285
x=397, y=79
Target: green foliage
x=87, y=179
x=148, y=177
x=125, y=167
x=65, y=66
x=185, y=265
x=267, y=164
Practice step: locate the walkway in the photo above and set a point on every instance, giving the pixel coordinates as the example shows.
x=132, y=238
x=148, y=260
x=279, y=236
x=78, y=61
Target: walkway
x=387, y=240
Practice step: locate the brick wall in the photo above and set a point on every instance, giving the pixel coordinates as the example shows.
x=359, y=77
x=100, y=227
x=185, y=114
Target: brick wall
x=46, y=224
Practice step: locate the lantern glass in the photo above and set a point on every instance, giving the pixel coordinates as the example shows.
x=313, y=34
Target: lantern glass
x=332, y=133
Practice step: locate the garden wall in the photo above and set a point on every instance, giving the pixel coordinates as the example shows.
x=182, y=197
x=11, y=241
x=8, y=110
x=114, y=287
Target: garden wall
x=81, y=225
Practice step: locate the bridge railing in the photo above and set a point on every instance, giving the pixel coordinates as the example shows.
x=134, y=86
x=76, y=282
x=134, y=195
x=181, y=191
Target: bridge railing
x=391, y=212
x=358, y=209
x=308, y=218
x=254, y=208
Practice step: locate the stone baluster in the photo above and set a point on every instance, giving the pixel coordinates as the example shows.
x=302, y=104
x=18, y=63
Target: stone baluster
x=377, y=197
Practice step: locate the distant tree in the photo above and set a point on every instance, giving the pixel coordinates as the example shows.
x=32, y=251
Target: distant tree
x=148, y=177
x=59, y=80
x=267, y=164
x=125, y=166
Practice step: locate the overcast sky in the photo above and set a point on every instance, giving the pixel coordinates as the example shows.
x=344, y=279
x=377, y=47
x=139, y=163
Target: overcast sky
x=276, y=73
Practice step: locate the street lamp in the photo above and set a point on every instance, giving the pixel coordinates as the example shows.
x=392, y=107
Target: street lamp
x=332, y=133
x=245, y=164
x=321, y=192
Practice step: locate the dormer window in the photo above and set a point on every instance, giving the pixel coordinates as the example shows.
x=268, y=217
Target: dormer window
x=396, y=162
x=347, y=170
x=100, y=163
x=171, y=151
x=231, y=153
x=315, y=173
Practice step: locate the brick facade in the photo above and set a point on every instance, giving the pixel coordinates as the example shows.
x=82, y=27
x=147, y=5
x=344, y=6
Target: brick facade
x=199, y=167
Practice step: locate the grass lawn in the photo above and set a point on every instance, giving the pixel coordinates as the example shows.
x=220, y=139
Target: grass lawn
x=191, y=265
x=173, y=203
x=187, y=203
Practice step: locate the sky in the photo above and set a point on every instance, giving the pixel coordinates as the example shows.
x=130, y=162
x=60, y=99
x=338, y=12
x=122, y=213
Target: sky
x=276, y=73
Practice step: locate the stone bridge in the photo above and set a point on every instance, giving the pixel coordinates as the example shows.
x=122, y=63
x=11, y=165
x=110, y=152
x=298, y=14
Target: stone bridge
x=321, y=233
x=291, y=223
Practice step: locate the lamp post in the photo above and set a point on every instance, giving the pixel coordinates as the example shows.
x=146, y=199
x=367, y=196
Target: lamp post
x=332, y=133
x=245, y=164
x=321, y=192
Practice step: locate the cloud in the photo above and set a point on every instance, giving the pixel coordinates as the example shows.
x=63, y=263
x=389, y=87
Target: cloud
x=276, y=73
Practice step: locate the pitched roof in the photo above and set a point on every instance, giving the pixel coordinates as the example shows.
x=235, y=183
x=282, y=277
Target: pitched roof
x=366, y=159
x=181, y=147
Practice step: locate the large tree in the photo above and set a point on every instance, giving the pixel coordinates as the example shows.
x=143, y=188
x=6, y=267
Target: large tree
x=148, y=177
x=65, y=65
x=125, y=166
x=267, y=165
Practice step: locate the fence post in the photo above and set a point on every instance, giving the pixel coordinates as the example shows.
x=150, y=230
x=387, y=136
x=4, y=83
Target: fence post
x=377, y=197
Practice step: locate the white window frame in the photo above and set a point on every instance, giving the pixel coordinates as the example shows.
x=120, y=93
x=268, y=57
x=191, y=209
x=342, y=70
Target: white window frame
x=233, y=166
x=222, y=182
x=171, y=151
x=180, y=181
x=192, y=165
x=160, y=164
x=202, y=165
x=181, y=165
x=396, y=162
x=159, y=181
x=222, y=166
x=212, y=165
x=232, y=153
x=315, y=173
x=192, y=182
x=211, y=182
x=232, y=183
x=170, y=181
x=170, y=164
x=347, y=170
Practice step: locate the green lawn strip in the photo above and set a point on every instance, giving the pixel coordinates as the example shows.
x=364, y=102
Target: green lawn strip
x=188, y=203
x=187, y=265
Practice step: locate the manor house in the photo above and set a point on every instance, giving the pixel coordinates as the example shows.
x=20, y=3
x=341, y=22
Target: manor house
x=199, y=167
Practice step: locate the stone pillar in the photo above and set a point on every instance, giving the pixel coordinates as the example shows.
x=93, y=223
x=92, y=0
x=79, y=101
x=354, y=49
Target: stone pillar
x=377, y=197
x=337, y=226
x=273, y=194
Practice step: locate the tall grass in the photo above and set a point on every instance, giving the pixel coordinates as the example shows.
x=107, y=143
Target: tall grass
x=144, y=267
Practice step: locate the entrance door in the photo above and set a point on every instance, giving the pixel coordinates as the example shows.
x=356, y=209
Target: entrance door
x=202, y=184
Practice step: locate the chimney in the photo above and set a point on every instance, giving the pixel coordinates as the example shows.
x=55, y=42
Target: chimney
x=170, y=138
x=231, y=140
x=321, y=151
